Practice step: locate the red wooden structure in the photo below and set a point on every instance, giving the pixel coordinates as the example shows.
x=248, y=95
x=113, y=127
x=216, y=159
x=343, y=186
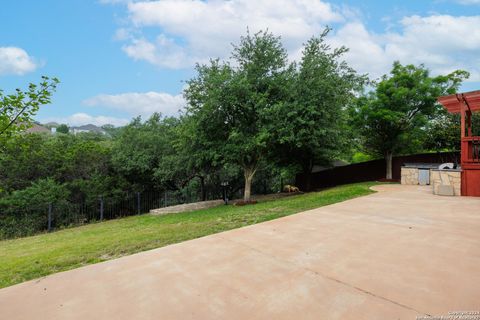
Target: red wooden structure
x=465, y=104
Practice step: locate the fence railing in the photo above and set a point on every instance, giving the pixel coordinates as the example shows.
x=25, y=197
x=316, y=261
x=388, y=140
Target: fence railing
x=31, y=219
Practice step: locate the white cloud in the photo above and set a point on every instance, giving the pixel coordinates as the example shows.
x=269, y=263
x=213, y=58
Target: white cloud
x=163, y=52
x=113, y=1
x=442, y=42
x=122, y=34
x=16, y=61
x=79, y=119
x=366, y=50
x=190, y=31
x=468, y=2
x=196, y=30
x=143, y=104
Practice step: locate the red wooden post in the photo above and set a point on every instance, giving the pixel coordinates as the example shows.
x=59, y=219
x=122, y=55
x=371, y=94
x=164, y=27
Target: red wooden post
x=469, y=123
x=465, y=104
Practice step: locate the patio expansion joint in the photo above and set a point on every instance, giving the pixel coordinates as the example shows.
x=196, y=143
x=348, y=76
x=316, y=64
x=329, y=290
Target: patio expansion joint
x=330, y=278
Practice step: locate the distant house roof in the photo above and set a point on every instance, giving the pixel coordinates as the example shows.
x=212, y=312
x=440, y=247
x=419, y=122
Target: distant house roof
x=89, y=128
x=51, y=124
x=36, y=128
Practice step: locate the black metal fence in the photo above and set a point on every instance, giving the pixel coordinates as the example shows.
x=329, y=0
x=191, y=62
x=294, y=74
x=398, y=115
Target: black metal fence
x=32, y=219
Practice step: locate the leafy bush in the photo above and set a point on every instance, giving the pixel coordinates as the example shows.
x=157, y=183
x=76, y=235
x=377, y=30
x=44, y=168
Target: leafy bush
x=24, y=212
x=361, y=157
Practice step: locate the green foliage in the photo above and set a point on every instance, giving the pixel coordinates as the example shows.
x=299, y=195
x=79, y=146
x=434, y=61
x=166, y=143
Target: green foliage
x=311, y=126
x=40, y=193
x=392, y=119
x=443, y=131
x=63, y=128
x=254, y=116
x=111, y=130
x=80, y=165
x=230, y=104
x=178, y=164
x=361, y=157
x=63, y=158
x=17, y=109
x=259, y=108
x=141, y=146
x=15, y=220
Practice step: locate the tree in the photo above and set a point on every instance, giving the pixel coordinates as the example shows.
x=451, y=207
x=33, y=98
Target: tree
x=187, y=160
x=111, y=130
x=443, y=133
x=139, y=148
x=17, y=109
x=63, y=128
x=23, y=211
x=230, y=103
x=63, y=158
x=310, y=129
x=24, y=160
x=392, y=118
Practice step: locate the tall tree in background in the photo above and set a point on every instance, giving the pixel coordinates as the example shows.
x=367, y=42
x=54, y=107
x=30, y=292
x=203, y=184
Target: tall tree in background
x=392, y=116
x=310, y=128
x=140, y=147
x=443, y=132
x=63, y=128
x=17, y=109
x=189, y=159
x=231, y=104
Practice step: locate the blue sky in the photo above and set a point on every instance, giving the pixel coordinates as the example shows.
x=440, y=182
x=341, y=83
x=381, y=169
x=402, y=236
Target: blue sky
x=117, y=59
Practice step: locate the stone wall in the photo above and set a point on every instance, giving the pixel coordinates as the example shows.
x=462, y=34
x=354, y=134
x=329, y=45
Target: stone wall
x=409, y=176
x=446, y=177
x=187, y=207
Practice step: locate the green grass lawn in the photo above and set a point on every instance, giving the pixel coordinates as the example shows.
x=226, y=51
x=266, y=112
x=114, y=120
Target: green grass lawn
x=29, y=258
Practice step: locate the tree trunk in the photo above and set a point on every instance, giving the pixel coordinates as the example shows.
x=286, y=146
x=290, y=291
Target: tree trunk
x=388, y=160
x=248, y=173
x=202, y=188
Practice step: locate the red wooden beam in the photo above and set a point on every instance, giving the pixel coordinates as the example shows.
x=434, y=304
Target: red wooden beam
x=465, y=104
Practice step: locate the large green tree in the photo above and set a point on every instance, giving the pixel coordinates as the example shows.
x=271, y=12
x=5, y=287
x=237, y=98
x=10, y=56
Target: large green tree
x=392, y=118
x=310, y=128
x=140, y=147
x=231, y=102
x=188, y=160
x=17, y=109
x=63, y=128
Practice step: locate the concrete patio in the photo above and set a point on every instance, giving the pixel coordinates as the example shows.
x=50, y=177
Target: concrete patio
x=396, y=254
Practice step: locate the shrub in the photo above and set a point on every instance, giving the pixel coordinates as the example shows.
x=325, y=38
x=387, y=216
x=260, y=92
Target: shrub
x=24, y=212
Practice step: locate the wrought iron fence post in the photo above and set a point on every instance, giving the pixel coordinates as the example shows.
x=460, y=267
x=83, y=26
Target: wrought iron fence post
x=101, y=208
x=165, y=198
x=138, y=202
x=50, y=217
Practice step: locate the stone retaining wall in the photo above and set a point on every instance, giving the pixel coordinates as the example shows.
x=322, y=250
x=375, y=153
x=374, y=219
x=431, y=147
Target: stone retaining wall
x=187, y=207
